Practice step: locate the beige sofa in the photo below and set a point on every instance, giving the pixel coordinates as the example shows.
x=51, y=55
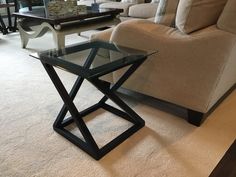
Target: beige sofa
x=195, y=65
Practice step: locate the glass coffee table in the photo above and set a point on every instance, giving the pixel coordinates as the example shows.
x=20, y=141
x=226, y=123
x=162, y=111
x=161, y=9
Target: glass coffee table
x=60, y=26
x=95, y=65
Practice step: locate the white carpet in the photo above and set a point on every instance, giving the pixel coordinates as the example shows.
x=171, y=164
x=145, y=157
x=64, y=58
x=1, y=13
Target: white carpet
x=166, y=146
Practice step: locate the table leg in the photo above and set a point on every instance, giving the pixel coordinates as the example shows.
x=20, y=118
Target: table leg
x=3, y=26
x=9, y=16
x=89, y=145
x=25, y=34
x=59, y=40
x=75, y=90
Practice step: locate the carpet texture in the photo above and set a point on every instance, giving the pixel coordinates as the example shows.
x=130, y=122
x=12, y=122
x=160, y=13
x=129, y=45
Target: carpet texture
x=166, y=147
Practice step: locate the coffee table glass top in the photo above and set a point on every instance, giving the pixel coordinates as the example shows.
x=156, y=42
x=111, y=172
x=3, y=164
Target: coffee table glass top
x=42, y=14
x=73, y=58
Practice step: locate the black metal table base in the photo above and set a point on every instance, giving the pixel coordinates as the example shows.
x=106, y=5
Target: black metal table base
x=88, y=144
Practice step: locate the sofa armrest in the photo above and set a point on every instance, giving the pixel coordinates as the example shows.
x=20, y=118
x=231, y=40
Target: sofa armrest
x=145, y=10
x=118, y=5
x=188, y=69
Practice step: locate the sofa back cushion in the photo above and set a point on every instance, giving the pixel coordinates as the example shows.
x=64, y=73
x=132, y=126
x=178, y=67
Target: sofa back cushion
x=227, y=19
x=166, y=12
x=193, y=15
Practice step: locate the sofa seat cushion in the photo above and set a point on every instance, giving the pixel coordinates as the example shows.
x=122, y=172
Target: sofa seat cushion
x=227, y=20
x=193, y=15
x=166, y=12
x=118, y=5
x=145, y=10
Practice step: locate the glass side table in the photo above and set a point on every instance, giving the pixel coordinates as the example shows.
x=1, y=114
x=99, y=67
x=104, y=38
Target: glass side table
x=92, y=69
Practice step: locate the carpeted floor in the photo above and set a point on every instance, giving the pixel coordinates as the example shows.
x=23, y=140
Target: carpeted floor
x=166, y=147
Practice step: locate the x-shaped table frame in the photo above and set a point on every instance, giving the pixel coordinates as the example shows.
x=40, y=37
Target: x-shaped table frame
x=89, y=145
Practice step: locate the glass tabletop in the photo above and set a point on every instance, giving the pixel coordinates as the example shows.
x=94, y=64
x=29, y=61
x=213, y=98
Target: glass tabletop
x=91, y=59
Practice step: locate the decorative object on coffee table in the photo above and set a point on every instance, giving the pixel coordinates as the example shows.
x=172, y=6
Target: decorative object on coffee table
x=58, y=8
x=81, y=8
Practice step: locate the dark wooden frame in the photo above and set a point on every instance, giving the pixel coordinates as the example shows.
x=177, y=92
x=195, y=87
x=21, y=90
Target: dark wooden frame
x=196, y=118
x=193, y=117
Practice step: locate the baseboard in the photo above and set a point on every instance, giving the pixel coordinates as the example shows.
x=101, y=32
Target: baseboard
x=226, y=166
